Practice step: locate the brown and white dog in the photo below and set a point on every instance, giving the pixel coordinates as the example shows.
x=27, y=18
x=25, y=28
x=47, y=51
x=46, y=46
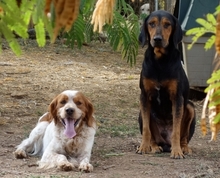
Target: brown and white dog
x=64, y=136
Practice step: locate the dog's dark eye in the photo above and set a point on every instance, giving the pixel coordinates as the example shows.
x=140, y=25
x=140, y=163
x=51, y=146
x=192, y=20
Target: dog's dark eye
x=152, y=24
x=166, y=25
x=78, y=103
x=63, y=102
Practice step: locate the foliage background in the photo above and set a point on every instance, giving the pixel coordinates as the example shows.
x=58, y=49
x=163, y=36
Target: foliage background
x=122, y=34
x=208, y=25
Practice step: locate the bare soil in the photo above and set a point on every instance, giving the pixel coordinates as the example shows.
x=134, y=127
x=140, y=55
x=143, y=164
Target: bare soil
x=29, y=82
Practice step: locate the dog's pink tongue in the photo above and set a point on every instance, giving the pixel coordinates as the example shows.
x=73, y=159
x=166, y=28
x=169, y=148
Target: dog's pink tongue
x=69, y=128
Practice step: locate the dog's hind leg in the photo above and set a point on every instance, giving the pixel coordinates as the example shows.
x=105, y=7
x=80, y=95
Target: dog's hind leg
x=34, y=143
x=187, y=127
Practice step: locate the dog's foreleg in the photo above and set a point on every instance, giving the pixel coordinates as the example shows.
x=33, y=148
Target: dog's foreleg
x=146, y=134
x=177, y=111
x=54, y=158
x=86, y=149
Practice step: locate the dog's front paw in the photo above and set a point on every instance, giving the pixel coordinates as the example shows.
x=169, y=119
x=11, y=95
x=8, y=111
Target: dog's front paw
x=20, y=154
x=177, y=153
x=66, y=166
x=87, y=167
x=186, y=150
x=143, y=149
x=156, y=149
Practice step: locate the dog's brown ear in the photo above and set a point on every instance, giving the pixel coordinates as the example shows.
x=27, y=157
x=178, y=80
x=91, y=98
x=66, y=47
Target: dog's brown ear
x=143, y=37
x=89, y=114
x=53, y=110
x=177, y=33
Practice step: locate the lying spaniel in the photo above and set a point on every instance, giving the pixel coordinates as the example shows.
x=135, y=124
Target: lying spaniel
x=64, y=136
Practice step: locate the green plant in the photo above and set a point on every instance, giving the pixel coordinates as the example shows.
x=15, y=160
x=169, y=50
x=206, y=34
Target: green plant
x=121, y=34
x=124, y=31
x=209, y=25
x=14, y=21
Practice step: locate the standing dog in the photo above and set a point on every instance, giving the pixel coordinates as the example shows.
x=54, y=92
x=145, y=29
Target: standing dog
x=63, y=136
x=167, y=117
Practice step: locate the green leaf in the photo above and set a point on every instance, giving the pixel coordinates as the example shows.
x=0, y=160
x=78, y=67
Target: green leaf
x=15, y=47
x=76, y=34
x=212, y=86
x=10, y=38
x=211, y=18
x=217, y=119
x=86, y=6
x=214, y=77
x=40, y=33
x=217, y=10
x=210, y=42
x=204, y=23
x=208, y=26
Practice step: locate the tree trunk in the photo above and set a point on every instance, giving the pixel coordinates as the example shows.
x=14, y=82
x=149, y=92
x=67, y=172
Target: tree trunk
x=152, y=5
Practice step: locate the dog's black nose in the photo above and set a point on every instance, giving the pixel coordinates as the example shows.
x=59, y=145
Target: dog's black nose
x=69, y=111
x=158, y=38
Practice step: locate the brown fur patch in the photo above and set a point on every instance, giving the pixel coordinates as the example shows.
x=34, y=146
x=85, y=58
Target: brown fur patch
x=47, y=117
x=57, y=103
x=166, y=29
x=171, y=86
x=86, y=106
x=159, y=52
x=152, y=24
x=149, y=85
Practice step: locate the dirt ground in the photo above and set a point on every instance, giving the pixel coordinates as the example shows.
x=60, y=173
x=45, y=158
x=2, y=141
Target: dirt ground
x=30, y=81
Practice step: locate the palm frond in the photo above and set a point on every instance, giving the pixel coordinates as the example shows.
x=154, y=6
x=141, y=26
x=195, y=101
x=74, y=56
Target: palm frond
x=76, y=34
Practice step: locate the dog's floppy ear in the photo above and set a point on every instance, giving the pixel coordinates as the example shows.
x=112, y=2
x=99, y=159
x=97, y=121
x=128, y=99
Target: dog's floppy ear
x=143, y=37
x=89, y=114
x=178, y=33
x=53, y=110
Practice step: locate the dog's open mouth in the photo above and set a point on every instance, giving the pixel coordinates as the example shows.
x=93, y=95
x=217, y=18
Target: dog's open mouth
x=69, y=125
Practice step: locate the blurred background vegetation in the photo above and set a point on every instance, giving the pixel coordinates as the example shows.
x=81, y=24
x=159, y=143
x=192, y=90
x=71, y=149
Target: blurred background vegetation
x=18, y=17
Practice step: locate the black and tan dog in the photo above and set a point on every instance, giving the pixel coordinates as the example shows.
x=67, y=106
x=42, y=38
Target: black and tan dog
x=167, y=117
